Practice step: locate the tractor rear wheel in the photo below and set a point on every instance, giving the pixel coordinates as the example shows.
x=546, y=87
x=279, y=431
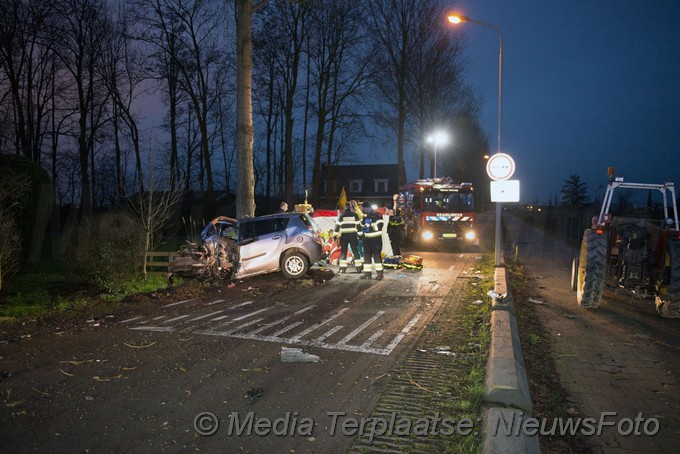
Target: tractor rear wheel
x=668, y=305
x=592, y=269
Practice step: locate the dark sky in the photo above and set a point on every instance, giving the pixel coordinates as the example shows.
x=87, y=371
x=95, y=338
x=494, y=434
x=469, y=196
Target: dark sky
x=587, y=84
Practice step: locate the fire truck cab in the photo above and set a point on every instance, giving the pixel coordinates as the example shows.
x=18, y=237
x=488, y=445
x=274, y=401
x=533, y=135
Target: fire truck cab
x=439, y=211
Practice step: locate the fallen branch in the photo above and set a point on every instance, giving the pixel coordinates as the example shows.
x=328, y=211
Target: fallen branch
x=103, y=379
x=417, y=385
x=140, y=346
x=658, y=341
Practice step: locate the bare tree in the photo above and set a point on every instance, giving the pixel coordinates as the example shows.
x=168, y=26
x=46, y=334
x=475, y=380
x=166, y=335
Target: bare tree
x=154, y=206
x=394, y=23
x=123, y=73
x=79, y=48
x=339, y=74
x=26, y=63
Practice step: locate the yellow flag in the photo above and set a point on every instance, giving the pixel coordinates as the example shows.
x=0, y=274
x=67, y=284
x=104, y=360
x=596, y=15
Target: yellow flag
x=343, y=199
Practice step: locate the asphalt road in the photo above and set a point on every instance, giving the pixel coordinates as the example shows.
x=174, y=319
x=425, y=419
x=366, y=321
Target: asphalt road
x=141, y=379
x=621, y=360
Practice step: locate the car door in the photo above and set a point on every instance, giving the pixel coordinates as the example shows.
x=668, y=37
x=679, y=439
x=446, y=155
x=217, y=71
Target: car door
x=261, y=243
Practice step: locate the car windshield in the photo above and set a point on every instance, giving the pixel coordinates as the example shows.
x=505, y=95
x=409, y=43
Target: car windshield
x=220, y=229
x=448, y=201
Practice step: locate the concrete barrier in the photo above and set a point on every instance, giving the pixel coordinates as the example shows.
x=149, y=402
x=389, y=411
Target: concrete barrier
x=506, y=396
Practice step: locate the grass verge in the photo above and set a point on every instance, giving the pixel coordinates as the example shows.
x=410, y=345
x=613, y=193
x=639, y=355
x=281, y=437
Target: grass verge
x=442, y=376
x=44, y=290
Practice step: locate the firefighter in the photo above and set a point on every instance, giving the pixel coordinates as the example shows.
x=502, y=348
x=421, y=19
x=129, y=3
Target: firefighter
x=395, y=230
x=347, y=227
x=354, y=206
x=371, y=227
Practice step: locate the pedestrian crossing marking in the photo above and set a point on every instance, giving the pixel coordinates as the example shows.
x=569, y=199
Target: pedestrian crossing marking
x=286, y=324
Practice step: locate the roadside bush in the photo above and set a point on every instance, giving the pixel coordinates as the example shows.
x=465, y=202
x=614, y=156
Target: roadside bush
x=104, y=250
x=13, y=190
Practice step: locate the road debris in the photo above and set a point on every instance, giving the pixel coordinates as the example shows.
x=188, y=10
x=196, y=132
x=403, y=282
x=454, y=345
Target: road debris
x=254, y=393
x=296, y=355
x=540, y=303
x=478, y=302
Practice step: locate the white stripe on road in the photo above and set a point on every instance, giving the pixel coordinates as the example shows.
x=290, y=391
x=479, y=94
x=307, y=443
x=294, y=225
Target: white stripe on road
x=177, y=318
x=214, y=302
x=164, y=329
x=242, y=304
x=221, y=317
x=132, y=319
x=178, y=302
x=372, y=339
x=318, y=325
x=281, y=320
x=286, y=329
x=327, y=334
x=361, y=327
x=204, y=316
x=243, y=317
x=402, y=334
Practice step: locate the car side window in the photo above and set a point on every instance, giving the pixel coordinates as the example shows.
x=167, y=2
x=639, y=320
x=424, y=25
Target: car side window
x=269, y=226
x=247, y=230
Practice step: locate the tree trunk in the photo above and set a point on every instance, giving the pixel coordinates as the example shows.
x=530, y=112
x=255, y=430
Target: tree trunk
x=245, y=193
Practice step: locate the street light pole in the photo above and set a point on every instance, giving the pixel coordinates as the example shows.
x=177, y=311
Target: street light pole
x=438, y=138
x=457, y=19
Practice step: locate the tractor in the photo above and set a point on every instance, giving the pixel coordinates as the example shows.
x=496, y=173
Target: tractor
x=631, y=254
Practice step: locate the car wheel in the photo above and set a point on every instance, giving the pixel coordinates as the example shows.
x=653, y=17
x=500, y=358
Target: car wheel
x=294, y=265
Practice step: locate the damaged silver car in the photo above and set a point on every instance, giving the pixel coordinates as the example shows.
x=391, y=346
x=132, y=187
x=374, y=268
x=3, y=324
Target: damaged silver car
x=286, y=242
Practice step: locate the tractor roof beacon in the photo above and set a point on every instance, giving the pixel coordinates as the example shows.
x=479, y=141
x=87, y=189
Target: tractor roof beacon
x=632, y=254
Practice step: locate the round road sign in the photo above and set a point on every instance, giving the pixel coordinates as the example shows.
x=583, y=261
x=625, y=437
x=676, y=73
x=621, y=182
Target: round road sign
x=500, y=167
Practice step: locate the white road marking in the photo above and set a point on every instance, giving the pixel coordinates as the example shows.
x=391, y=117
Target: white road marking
x=177, y=318
x=159, y=318
x=286, y=329
x=178, y=303
x=327, y=334
x=200, y=317
x=361, y=327
x=242, y=304
x=243, y=317
x=132, y=319
x=320, y=341
x=373, y=338
x=402, y=334
x=214, y=302
x=240, y=327
x=318, y=325
x=281, y=320
x=221, y=317
x=164, y=329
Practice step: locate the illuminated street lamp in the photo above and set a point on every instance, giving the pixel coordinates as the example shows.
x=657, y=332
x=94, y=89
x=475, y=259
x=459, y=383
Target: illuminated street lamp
x=457, y=19
x=439, y=138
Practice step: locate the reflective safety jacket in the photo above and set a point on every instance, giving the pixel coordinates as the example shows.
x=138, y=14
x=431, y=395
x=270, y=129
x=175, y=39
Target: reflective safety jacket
x=372, y=225
x=396, y=222
x=348, y=222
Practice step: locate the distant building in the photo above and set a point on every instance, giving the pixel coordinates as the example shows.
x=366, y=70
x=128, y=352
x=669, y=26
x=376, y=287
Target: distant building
x=376, y=183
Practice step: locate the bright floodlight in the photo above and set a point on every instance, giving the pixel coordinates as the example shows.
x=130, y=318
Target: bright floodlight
x=438, y=138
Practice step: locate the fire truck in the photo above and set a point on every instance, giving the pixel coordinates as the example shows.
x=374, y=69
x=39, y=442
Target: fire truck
x=439, y=211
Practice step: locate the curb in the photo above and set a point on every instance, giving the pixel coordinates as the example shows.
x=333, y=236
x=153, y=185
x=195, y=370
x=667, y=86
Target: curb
x=506, y=395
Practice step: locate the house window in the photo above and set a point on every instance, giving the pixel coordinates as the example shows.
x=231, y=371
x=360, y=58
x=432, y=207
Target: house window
x=381, y=186
x=356, y=185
